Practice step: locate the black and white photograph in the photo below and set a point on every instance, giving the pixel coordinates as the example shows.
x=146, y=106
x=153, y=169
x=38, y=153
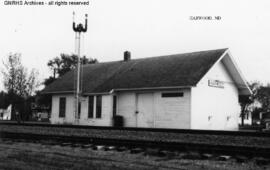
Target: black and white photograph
x=134, y=84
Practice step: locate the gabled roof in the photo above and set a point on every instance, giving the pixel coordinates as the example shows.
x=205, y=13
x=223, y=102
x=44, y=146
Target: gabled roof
x=180, y=70
x=235, y=73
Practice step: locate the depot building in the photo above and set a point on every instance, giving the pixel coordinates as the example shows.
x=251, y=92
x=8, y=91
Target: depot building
x=197, y=90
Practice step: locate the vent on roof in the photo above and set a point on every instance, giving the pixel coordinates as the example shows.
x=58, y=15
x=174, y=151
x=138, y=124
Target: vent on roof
x=127, y=56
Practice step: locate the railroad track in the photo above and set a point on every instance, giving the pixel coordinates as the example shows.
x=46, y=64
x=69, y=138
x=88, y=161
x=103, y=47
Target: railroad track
x=250, y=144
x=189, y=131
x=170, y=146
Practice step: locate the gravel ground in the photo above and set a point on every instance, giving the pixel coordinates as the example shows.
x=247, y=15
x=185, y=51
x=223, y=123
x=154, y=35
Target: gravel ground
x=142, y=135
x=28, y=156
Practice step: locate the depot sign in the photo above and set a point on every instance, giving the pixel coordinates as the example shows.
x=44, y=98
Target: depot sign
x=216, y=83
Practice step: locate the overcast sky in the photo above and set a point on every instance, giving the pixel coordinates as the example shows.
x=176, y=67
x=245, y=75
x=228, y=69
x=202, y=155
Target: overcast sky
x=144, y=27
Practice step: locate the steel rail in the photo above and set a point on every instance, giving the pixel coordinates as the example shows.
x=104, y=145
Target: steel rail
x=187, y=131
x=173, y=146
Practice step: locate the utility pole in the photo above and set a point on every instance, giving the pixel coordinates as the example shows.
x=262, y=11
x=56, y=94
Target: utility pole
x=78, y=29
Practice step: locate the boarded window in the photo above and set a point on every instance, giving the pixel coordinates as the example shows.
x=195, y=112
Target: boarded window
x=91, y=107
x=98, y=106
x=179, y=94
x=114, y=105
x=62, y=107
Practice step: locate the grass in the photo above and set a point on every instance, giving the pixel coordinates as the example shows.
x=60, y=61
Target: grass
x=29, y=156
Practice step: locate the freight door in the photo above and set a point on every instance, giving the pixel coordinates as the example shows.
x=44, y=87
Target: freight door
x=145, y=110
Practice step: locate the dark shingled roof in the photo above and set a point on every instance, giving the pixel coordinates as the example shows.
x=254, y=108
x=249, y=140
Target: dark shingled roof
x=163, y=71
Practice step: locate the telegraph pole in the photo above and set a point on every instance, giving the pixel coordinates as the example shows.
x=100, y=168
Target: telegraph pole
x=78, y=29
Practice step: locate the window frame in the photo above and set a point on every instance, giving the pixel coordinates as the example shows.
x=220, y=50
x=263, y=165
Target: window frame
x=114, y=105
x=172, y=94
x=62, y=107
x=79, y=110
x=98, y=106
x=91, y=107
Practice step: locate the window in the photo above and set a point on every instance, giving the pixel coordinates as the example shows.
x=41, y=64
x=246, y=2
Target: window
x=91, y=107
x=79, y=110
x=114, y=105
x=98, y=106
x=180, y=94
x=62, y=107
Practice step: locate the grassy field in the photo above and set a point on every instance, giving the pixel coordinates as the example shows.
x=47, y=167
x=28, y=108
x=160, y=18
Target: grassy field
x=28, y=156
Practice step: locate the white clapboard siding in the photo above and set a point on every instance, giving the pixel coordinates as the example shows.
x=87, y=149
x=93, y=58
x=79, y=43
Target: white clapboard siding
x=145, y=108
x=173, y=112
x=155, y=111
x=214, y=107
x=69, y=116
x=106, y=113
x=106, y=116
x=126, y=107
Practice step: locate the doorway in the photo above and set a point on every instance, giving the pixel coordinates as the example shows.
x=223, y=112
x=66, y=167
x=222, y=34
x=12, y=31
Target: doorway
x=145, y=110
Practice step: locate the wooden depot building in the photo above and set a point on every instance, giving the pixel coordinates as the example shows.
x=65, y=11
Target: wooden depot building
x=197, y=90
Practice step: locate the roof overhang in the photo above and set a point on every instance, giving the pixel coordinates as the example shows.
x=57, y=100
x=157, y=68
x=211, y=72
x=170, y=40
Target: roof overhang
x=57, y=92
x=122, y=90
x=234, y=72
x=149, y=88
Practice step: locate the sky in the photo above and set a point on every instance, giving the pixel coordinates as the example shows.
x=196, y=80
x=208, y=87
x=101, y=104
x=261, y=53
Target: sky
x=146, y=28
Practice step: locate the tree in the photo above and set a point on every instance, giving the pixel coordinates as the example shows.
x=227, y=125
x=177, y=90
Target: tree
x=256, y=113
x=246, y=100
x=19, y=84
x=16, y=78
x=258, y=102
x=64, y=63
x=263, y=96
x=32, y=82
x=10, y=72
x=61, y=65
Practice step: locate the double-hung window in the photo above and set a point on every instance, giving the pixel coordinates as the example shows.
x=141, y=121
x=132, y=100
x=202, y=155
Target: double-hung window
x=98, y=106
x=91, y=107
x=62, y=107
x=94, y=106
x=114, y=105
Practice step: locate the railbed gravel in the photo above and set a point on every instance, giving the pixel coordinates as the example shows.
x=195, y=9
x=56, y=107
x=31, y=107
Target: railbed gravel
x=249, y=141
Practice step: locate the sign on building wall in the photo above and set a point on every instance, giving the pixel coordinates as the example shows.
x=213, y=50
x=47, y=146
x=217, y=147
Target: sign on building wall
x=216, y=83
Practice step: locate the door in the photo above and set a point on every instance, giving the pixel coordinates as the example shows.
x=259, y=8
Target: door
x=145, y=110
